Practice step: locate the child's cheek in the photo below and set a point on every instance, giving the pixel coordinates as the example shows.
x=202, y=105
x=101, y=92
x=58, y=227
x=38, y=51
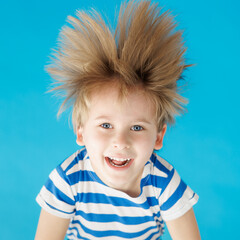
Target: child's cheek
x=144, y=140
x=100, y=136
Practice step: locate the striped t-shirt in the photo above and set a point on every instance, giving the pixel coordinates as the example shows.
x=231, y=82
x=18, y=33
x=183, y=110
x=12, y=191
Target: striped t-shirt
x=97, y=211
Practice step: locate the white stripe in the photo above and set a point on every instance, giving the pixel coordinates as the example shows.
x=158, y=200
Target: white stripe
x=68, y=161
x=100, y=208
x=76, y=168
x=53, y=201
x=61, y=184
x=106, y=226
x=83, y=165
x=170, y=189
x=184, y=204
x=159, y=173
x=164, y=163
x=54, y=212
x=95, y=187
x=151, y=191
x=74, y=231
x=81, y=232
x=103, y=228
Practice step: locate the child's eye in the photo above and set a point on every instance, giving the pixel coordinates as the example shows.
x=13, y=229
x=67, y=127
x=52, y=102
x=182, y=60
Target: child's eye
x=106, y=125
x=136, y=128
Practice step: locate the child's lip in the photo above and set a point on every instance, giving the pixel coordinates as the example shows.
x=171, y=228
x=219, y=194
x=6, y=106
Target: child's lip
x=119, y=167
x=119, y=155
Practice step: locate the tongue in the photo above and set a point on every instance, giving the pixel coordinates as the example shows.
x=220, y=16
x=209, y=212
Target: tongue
x=119, y=163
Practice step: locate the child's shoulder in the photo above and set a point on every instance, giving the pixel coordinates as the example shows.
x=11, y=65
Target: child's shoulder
x=161, y=165
x=74, y=163
x=73, y=169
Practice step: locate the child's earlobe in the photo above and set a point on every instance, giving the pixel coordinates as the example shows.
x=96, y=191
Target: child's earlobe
x=80, y=137
x=160, y=136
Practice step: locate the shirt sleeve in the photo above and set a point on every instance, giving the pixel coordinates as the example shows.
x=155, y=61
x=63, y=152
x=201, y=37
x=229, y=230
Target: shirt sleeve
x=56, y=196
x=176, y=198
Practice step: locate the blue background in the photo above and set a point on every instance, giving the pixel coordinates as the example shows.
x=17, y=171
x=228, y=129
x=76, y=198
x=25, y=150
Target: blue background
x=203, y=145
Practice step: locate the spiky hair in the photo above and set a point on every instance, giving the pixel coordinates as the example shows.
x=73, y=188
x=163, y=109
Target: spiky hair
x=145, y=49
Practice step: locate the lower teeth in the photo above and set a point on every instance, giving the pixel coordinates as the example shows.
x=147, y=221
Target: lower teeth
x=115, y=165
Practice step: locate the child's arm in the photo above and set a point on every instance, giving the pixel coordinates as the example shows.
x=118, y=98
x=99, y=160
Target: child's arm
x=51, y=227
x=184, y=228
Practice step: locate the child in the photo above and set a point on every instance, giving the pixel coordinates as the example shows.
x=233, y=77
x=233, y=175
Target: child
x=124, y=92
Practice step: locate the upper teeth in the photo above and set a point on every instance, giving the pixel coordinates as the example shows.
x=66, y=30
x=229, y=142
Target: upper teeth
x=120, y=159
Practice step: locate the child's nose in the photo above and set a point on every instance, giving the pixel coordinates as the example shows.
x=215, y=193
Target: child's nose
x=121, y=141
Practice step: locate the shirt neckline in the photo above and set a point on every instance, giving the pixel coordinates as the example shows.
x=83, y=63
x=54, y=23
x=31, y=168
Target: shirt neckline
x=144, y=179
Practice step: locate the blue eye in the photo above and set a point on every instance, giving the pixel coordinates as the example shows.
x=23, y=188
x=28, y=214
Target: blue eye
x=106, y=125
x=137, y=128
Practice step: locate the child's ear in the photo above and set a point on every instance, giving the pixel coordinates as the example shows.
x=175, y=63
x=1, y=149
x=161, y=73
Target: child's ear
x=80, y=136
x=160, y=136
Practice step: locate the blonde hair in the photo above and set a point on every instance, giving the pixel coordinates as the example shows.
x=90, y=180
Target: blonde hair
x=145, y=50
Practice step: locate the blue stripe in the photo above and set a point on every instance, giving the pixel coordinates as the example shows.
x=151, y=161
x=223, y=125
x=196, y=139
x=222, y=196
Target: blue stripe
x=109, y=233
x=175, y=196
x=58, y=193
x=73, y=178
x=158, y=164
x=72, y=164
x=78, y=158
x=95, y=177
x=80, y=176
x=153, y=235
x=73, y=234
x=157, y=216
x=152, y=201
x=192, y=196
x=144, y=181
x=115, y=201
x=165, y=181
x=82, y=154
x=107, y=218
x=157, y=181
x=59, y=209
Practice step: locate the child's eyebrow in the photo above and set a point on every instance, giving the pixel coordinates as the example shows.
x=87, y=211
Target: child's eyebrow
x=138, y=120
x=142, y=121
x=103, y=117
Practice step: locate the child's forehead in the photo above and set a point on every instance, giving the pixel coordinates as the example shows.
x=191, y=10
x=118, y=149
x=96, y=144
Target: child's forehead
x=118, y=95
x=110, y=100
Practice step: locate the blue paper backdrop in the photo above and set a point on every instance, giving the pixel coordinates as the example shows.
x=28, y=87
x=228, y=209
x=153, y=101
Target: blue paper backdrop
x=203, y=145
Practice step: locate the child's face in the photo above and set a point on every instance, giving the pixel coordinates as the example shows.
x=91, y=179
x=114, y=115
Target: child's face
x=120, y=136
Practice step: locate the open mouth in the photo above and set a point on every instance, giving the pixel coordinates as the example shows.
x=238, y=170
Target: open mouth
x=118, y=162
